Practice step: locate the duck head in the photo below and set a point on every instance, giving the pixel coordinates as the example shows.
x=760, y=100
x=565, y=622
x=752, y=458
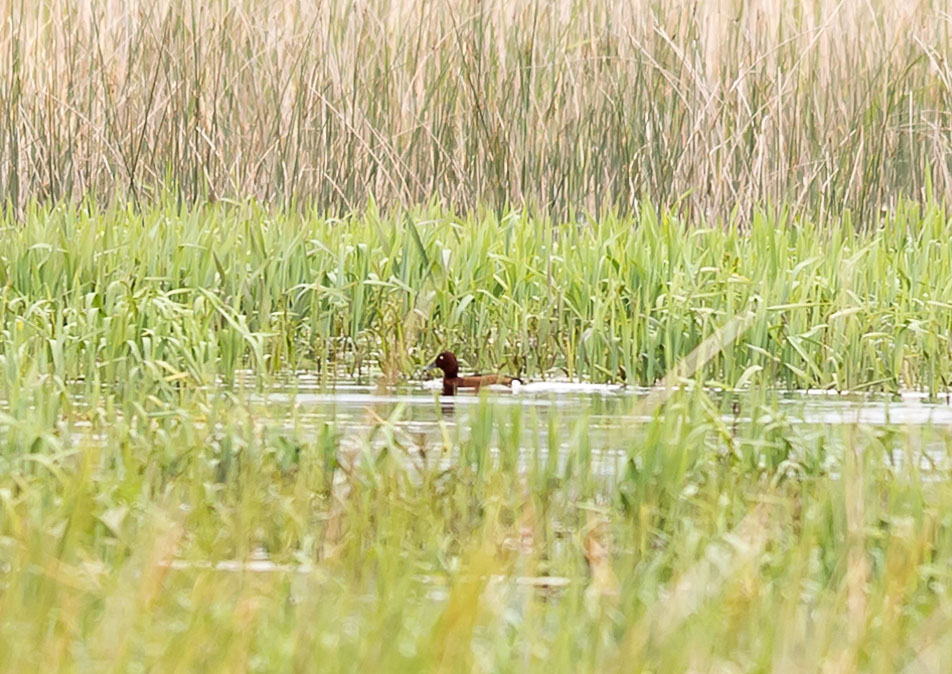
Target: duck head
x=446, y=361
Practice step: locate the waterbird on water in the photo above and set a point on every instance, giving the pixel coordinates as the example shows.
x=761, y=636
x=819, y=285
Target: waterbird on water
x=447, y=362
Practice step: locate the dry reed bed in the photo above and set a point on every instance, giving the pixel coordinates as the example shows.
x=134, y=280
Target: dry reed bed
x=562, y=105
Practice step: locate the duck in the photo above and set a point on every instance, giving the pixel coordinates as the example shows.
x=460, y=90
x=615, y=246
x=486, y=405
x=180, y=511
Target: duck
x=447, y=362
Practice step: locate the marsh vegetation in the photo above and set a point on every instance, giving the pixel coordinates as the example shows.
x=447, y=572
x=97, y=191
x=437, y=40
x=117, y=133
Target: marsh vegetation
x=714, y=236
x=565, y=106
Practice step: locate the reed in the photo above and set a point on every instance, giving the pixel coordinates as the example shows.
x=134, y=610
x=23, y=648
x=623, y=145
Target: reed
x=722, y=199
x=762, y=545
x=164, y=298
x=569, y=106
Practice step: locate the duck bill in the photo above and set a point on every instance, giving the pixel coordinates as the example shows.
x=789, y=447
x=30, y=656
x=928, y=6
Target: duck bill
x=431, y=366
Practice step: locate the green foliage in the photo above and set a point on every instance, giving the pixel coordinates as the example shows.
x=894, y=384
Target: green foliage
x=227, y=532
x=157, y=512
x=190, y=219
x=166, y=299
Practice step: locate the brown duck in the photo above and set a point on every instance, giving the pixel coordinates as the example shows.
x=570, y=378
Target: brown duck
x=447, y=362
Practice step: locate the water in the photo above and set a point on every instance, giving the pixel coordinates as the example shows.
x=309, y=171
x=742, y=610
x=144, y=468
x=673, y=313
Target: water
x=562, y=411
x=604, y=405
x=558, y=415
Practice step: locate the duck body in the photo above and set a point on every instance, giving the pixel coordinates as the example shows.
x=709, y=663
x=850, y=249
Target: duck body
x=452, y=382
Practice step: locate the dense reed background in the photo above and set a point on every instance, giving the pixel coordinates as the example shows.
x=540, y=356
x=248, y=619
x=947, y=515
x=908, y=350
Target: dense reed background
x=568, y=105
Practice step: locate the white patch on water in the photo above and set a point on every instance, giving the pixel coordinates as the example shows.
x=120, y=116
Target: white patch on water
x=567, y=387
x=909, y=411
x=556, y=386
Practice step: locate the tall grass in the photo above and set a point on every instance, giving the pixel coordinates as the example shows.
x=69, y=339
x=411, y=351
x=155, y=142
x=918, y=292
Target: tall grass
x=767, y=546
x=165, y=298
x=565, y=106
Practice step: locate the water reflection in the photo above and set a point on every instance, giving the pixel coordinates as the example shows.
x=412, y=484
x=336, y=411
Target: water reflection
x=557, y=415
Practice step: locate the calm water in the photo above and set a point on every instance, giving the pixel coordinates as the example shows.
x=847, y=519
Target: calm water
x=564, y=414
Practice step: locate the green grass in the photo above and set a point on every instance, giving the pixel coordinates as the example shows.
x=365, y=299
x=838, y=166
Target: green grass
x=168, y=299
x=134, y=453
x=762, y=546
x=203, y=199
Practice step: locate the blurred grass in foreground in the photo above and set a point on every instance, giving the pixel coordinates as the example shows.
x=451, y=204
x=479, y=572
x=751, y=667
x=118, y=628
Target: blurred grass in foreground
x=753, y=545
